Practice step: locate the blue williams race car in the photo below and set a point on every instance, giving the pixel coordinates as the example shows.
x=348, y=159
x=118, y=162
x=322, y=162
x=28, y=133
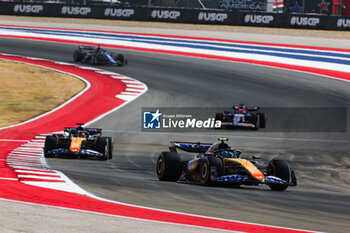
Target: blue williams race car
x=98, y=56
x=219, y=163
x=242, y=117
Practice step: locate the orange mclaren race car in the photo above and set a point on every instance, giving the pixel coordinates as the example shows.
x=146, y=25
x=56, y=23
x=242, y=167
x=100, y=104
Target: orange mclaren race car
x=218, y=163
x=79, y=142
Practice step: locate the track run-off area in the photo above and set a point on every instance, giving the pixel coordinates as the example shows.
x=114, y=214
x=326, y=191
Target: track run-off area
x=19, y=172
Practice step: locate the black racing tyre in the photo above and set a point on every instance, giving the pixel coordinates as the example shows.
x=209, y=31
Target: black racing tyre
x=77, y=56
x=93, y=60
x=280, y=169
x=210, y=164
x=121, y=60
x=204, y=172
x=50, y=144
x=110, y=149
x=255, y=121
x=293, y=178
x=219, y=117
x=102, y=146
x=59, y=136
x=169, y=166
x=216, y=163
x=262, y=119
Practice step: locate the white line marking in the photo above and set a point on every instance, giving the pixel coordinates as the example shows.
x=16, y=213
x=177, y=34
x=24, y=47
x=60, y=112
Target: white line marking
x=22, y=158
x=126, y=97
x=12, y=140
x=39, y=140
x=106, y=72
x=137, y=86
x=28, y=168
x=35, y=172
x=5, y=178
x=25, y=153
x=133, y=89
x=133, y=82
x=41, y=177
x=88, y=68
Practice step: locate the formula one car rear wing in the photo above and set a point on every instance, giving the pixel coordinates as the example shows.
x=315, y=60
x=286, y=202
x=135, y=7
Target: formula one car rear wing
x=253, y=108
x=193, y=147
x=87, y=47
x=91, y=131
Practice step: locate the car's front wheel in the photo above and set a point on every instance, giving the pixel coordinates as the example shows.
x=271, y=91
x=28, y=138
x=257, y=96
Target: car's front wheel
x=110, y=147
x=210, y=166
x=121, y=60
x=50, y=144
x=280, y=169
x=103, y=147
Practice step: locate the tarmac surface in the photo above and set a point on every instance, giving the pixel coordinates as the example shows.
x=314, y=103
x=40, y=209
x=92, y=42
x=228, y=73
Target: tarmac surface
x=320, y=202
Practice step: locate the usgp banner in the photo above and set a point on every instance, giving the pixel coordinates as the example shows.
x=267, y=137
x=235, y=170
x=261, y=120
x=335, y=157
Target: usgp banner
x=180, y=15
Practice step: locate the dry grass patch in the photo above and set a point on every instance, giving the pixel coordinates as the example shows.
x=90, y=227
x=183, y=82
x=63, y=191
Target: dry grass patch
x=27, y=91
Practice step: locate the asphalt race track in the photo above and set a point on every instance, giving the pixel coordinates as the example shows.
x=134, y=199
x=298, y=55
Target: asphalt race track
x=320, y=202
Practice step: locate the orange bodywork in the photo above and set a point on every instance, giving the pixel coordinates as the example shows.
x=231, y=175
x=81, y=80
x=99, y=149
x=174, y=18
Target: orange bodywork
x=193, y=166
x=254, y=171
x=76, y=144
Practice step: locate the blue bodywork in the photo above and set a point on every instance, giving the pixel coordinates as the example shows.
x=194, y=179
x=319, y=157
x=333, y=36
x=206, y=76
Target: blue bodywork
x=81, y=152
x=110, y=58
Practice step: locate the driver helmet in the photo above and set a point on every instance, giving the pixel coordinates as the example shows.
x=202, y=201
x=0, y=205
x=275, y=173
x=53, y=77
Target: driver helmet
x=80, y=128
x=222, y=145
x=227, y=154
x=242, y=106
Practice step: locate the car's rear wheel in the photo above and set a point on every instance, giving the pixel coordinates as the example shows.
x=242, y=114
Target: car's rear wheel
x=219, y=117
x=169, y=166
x=93, y=60
x=256, y=121
x=204, y=172
x=280, y=169
x=262, y=120
x=208, y=166
x=103, y=147
x=50, y=144
x=110, y=147
x=77, y=56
